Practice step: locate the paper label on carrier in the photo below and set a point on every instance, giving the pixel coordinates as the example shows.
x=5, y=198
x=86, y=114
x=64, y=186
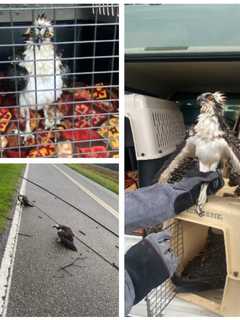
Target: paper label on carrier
x=208, y=214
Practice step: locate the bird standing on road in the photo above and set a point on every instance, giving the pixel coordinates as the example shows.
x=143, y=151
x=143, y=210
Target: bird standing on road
x=42, y=69
x=24, y=201
x=66, y=236
x=209, y=142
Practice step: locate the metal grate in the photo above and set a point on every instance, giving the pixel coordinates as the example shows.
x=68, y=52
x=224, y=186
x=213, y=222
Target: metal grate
x=59, y=85
x=158, y=299
x=168, y=128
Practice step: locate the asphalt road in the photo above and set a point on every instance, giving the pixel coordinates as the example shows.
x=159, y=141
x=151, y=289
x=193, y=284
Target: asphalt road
x=89, y=287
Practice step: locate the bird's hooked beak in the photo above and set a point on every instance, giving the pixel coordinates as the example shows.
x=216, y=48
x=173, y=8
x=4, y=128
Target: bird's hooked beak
x=56, y=226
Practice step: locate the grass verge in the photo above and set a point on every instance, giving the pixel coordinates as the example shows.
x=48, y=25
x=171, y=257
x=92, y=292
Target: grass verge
x=9, y=179
x=105, y=177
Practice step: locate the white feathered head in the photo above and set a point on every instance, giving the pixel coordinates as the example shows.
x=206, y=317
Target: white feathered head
x=211, y=102
x=41, y=31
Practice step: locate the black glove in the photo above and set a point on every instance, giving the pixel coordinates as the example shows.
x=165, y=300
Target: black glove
x=149, y=263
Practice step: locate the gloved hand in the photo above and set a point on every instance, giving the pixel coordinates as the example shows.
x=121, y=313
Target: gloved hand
x=188, y=189
x=149, y=263
x=155, y=204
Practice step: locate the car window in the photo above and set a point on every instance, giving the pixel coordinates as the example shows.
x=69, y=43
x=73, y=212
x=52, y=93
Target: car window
x=161, y=28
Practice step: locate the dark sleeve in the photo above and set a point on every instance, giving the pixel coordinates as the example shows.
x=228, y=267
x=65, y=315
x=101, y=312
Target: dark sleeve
x=146, y=268
x=148, y=206
x=129, y=293
x=153, y=205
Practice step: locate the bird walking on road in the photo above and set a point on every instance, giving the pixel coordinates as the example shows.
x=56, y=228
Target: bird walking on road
x=66, y=236
x=24, y=201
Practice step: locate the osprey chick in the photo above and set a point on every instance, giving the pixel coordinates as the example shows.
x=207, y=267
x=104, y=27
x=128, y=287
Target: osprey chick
x=66, y=236
x=42, y=76
x=24, y=201
x=208, y=143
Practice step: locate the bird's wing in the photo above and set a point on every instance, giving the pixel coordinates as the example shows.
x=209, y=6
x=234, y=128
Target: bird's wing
x=232, y=153
x=183, y=160
x=65, y=71
x=64, y=235
x=67, y=230
x=180, y=161
x=19, y=77
x=66, y=240
x=231, y=150
x=68, y=244
x=27, y=202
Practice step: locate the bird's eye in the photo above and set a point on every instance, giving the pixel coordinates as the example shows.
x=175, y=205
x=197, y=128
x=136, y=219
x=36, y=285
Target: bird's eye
x=48, y=34
x=210, y=98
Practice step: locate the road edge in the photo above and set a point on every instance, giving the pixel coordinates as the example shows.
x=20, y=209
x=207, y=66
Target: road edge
x=7, y=263
x=110, y=192
x=89, y=193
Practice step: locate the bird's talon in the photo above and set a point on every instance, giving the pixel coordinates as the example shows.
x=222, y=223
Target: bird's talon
x=200, y=211
x=26, y=136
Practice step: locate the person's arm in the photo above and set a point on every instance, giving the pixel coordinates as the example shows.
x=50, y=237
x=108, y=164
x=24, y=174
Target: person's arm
x=153, y=205
x=129, y=293
x=148, y=264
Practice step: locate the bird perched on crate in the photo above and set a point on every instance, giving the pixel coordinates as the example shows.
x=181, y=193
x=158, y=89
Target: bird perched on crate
x=24, y=201
x=207, y=145
x=40, y=71
x=66, y=236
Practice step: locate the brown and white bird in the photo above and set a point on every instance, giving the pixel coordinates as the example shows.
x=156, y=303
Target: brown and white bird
x=24, y=201
x=66, y=236
x=208, y=143
x=42, y=70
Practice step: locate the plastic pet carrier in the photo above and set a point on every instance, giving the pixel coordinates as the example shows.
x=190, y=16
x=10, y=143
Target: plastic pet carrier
x=209, y=271
x=156, y=127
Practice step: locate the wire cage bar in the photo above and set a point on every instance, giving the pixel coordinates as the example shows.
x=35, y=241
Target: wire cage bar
x=159, y=298
x=59, y=80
